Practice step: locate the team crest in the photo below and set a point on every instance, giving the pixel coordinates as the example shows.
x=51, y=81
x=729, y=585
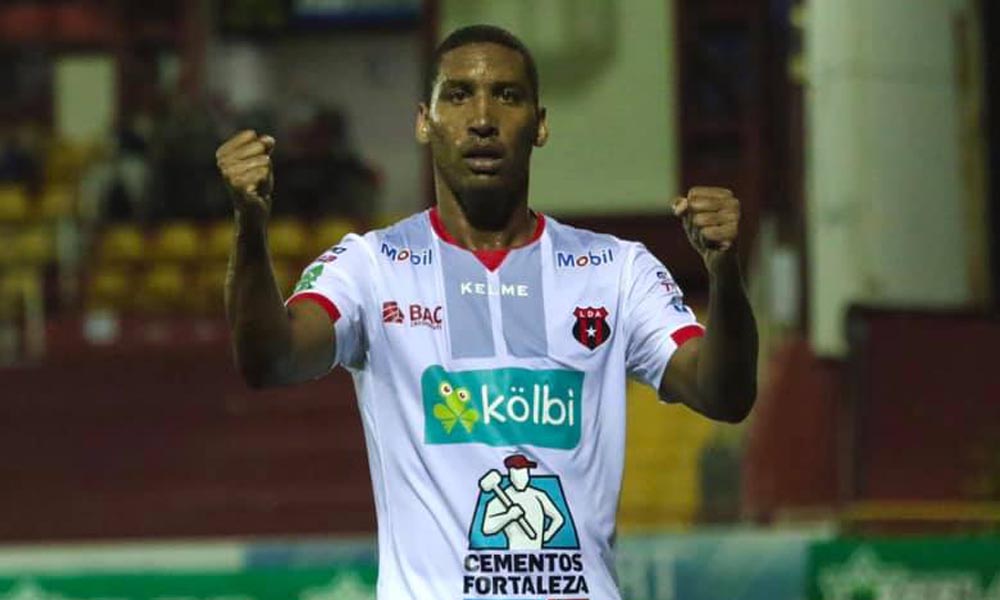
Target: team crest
x=591, y=328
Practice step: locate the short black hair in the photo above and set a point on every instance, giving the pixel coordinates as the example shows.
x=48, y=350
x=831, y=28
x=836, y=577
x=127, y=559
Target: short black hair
x=479, y=34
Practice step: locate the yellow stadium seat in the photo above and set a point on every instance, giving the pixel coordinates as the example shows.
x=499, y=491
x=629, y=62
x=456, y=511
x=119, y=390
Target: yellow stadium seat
x=109, y=288
x=329, y=232
x=11, y=294
x=661, y=484
x=8, y=256
x=162, y=290
x=177, y=241
x=286, y=277
x=122, y=243
x=65, y=161
x=209, y=290
x=36, y=245
x=15, y=286
x=13, y=203
x=219, y=241
x=288, y=239
x=57, y=201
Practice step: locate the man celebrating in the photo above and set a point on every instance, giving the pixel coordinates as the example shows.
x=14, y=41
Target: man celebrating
x=536, y=327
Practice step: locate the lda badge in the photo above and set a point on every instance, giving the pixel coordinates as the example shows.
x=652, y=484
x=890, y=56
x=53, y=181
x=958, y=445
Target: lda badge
x=591, y=327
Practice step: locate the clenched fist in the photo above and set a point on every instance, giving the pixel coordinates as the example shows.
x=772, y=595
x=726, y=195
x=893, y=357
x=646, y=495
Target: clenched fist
x=245, y=163
x=711, y=218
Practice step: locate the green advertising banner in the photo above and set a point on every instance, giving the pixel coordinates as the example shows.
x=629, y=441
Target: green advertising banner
x=354, y=583
x=912, y=569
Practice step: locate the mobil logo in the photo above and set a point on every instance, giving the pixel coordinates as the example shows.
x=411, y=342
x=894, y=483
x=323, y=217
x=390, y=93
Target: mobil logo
x=406, y=255
x=590, y=258
x=503, y=407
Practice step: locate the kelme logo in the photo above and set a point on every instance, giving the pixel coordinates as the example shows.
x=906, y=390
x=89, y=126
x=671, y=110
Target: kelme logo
x=503, y=407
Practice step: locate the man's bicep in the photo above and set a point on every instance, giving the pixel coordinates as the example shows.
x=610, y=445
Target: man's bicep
x=314, y=341
x=680, y=378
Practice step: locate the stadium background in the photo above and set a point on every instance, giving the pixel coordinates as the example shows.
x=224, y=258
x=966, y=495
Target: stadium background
x=135, y=464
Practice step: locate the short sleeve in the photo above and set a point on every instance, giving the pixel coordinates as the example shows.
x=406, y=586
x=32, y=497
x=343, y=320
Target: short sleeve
x=337, y=281
x=657, y=321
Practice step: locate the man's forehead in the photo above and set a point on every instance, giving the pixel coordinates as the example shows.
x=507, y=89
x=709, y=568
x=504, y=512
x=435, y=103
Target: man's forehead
x=483, y=61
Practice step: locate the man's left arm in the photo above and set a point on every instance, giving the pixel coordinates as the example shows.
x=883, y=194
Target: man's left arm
x=716, y=375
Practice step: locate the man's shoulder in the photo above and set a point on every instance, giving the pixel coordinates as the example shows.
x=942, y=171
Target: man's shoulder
x=565, y=233
x=581, y=246
x=412, y=231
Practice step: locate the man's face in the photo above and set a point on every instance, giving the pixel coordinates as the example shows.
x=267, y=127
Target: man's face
x=481, y=124
x=519, y=478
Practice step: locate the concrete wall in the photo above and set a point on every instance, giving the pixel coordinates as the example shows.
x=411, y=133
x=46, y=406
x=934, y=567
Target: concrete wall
x=887, y=205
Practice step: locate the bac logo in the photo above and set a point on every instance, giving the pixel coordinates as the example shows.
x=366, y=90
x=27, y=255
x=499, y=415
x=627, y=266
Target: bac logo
x=414, y=257
x=419, y=315
x=391, y=313
x=603, y=256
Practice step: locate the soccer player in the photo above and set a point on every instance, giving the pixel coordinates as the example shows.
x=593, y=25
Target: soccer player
x=479, y=330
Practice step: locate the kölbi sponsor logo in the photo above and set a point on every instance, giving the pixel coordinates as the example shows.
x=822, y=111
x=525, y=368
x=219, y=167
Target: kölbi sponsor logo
x=603, y=256
x=503, y=407
x=474, y=288
x=414, y=257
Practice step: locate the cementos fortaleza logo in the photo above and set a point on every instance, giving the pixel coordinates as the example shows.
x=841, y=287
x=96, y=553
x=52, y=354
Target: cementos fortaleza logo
x=414, y=257
x=591, y=258
x=503, y=407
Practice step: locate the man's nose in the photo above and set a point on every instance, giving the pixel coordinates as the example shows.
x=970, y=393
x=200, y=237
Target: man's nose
x=483, y=123
x=483, y=129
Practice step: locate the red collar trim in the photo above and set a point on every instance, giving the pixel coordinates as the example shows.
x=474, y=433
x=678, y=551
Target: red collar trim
x=491, y=259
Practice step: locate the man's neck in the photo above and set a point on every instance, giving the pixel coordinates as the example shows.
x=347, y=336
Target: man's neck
x=519, y=230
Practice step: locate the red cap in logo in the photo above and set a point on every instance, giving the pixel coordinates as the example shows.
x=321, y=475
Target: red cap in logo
x=518, y=461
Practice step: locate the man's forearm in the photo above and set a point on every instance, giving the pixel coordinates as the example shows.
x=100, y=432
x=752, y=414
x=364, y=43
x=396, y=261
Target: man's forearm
x=258, y=321
x=727, y=359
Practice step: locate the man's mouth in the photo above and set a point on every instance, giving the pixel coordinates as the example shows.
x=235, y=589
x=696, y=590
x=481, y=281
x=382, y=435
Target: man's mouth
x=485, y=160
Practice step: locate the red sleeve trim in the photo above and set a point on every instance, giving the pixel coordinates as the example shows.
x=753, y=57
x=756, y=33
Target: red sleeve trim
x=686, y=333
x=331, y=309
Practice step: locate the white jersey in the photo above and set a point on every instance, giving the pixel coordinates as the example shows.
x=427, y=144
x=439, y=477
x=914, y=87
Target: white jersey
x=493, y=399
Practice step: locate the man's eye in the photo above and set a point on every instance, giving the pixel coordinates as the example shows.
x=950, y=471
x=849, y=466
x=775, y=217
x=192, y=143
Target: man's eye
x=456, y=95
x=510, y=95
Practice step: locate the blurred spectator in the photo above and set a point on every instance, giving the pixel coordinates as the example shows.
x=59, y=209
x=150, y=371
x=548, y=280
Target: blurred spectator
x=319, y=172
x=115, y=187
x=183, y=150
x=19, y=155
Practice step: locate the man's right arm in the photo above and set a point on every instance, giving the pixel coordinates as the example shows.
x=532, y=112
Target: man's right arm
x=273, y=345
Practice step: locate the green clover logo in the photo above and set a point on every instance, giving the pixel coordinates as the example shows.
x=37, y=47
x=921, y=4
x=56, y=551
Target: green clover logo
x=308, y=280
x=455, y=408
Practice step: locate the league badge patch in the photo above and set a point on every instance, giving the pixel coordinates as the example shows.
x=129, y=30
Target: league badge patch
x=591, y=328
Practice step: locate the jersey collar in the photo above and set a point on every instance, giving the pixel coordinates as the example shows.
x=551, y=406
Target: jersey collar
x=491, y=259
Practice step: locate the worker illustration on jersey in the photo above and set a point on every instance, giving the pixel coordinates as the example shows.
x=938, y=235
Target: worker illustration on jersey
x=524, y=513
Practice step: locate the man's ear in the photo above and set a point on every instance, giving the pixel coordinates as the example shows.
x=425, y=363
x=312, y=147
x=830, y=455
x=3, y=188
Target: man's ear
x=542, y=135
x=423, y=125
